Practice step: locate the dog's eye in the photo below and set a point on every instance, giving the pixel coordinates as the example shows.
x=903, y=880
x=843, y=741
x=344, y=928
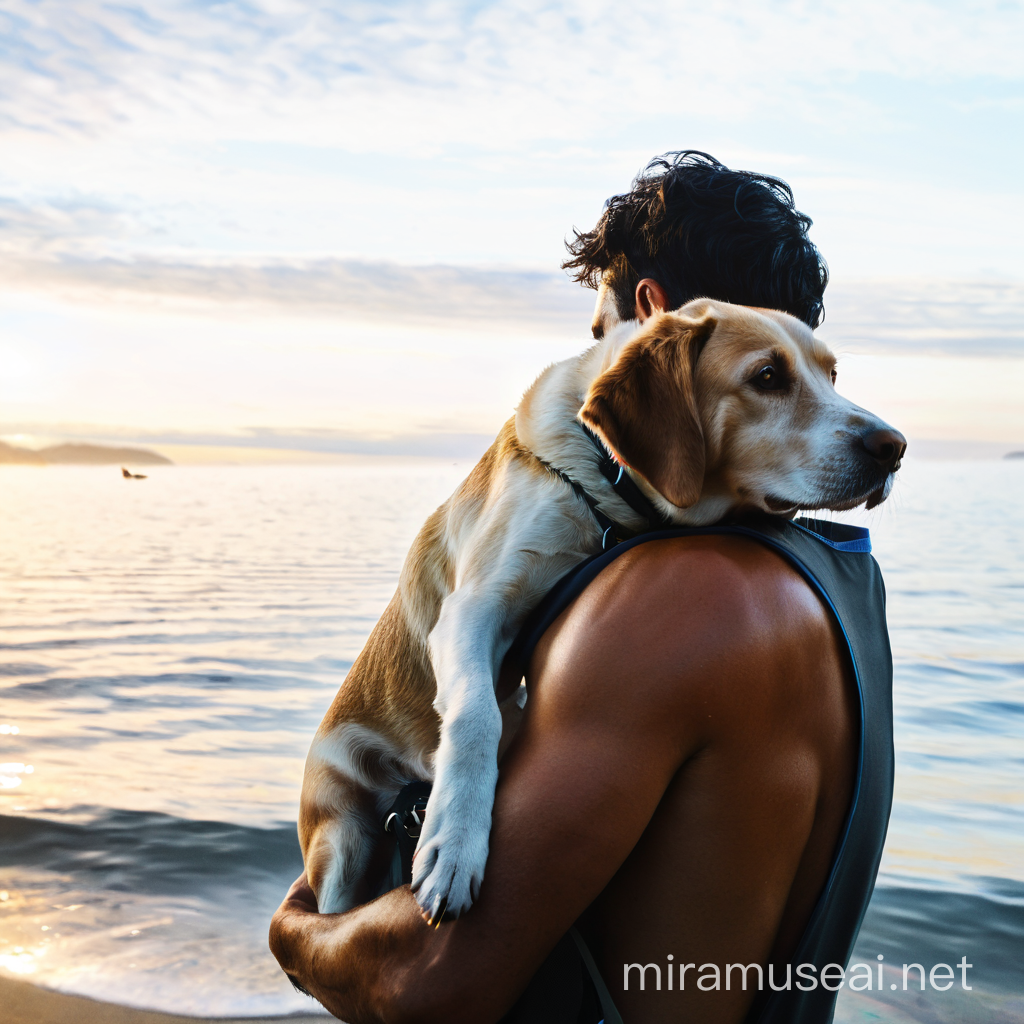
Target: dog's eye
x=769, y=378
x=834, y=375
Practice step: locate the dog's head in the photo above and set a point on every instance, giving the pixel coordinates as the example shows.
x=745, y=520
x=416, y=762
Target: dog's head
x=728, y=407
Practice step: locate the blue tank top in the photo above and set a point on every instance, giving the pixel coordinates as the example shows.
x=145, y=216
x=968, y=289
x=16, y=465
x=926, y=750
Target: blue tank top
x=835, y=561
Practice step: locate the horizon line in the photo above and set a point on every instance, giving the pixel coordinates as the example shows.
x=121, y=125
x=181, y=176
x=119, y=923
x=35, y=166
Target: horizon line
x=447, y=444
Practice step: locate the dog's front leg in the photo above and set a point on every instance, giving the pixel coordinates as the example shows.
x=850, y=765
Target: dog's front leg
x=452, y=851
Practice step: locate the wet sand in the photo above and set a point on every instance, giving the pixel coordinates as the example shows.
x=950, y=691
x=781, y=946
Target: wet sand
x=22, y=1003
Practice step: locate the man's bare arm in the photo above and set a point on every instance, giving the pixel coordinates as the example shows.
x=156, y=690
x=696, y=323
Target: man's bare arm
x=635, y=680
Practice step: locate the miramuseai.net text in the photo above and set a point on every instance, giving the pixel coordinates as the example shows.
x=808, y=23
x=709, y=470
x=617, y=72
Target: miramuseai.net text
x=860, y=977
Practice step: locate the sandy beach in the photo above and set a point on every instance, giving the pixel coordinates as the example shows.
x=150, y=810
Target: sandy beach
x=24, y=1003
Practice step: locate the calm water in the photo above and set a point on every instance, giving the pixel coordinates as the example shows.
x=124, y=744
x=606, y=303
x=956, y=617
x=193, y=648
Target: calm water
x=168, y=647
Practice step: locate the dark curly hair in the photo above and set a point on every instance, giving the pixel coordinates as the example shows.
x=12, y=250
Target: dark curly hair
x=702, y=230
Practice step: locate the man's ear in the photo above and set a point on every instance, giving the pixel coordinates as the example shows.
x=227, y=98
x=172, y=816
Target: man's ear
x=644, y=406
x=651, y=298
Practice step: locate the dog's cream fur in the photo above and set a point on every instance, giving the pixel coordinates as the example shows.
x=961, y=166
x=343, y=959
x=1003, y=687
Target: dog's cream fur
x=677, y=401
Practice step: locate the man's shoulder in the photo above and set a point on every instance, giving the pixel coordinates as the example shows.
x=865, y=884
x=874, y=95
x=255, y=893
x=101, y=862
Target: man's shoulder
x=699, y=576
x=688, y=603
x=686, y=630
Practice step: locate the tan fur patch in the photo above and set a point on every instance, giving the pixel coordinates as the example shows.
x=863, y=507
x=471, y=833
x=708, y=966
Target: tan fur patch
x=391, y=685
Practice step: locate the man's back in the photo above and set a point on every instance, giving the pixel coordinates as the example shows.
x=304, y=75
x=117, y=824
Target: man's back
x=717, y=687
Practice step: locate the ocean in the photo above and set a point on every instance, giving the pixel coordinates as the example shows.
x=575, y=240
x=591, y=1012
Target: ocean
x=169, y=645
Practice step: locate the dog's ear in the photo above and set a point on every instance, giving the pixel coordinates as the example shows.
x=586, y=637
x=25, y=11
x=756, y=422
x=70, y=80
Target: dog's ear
x=644, y=406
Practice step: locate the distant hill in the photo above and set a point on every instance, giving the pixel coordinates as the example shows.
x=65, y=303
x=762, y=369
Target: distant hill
x=80, y=455
x=1014, y=455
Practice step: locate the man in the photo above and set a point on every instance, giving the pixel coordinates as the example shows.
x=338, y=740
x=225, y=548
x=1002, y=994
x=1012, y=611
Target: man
x=680, y=787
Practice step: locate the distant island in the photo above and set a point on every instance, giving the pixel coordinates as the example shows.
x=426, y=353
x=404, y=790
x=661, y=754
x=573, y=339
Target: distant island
x=1014, y=455
x=79, y=455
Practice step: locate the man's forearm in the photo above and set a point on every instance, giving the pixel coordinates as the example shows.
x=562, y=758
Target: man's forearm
x=362, y=965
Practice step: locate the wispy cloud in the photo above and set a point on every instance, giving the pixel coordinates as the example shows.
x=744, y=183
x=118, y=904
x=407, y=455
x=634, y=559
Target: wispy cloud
x=435, y=443
x=91, y=66
x=984, y=318
x=352, y=290
x=962, y=318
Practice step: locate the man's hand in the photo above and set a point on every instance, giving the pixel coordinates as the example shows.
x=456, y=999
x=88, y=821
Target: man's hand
x=296, y=909
x=347, y=961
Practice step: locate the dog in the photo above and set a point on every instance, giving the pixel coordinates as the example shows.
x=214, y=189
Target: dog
x=702, y=413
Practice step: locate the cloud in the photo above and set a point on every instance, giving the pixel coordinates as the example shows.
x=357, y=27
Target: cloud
x=984, y=318
x=963, y=318
x=450, y=444
x=50, y=247
x=60, y=226
x=467, y=72
x=353, y=290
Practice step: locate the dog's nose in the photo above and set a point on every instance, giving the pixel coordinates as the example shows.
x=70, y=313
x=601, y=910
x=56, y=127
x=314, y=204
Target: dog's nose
x=886, y=446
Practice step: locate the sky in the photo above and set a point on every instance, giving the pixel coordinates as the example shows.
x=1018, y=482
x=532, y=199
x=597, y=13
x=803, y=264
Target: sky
x=339, y=226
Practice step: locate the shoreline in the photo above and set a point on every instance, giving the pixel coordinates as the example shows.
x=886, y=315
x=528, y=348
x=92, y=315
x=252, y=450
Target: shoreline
x=25, y=1003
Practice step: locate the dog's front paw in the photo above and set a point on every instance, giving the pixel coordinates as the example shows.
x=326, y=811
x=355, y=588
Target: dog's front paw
x=447, y=872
